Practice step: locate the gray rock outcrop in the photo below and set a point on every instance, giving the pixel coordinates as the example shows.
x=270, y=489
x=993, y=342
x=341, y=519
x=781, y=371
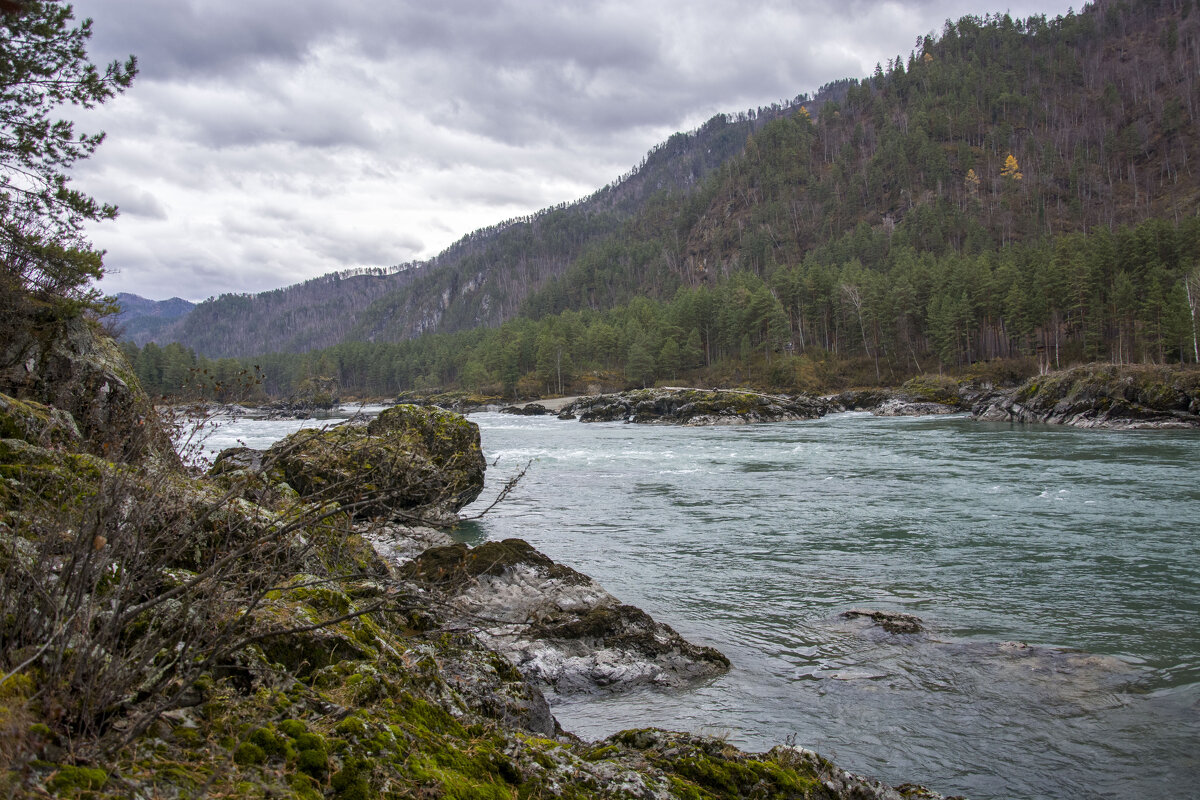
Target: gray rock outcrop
x=1102, y=396
x=557, y=625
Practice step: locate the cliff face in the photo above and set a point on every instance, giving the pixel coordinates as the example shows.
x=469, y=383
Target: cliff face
x=165, y=634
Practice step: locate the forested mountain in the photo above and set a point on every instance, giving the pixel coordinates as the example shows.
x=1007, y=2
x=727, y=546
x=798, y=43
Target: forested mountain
x=1011, y=188
x=484, y=277
x=306, y=316
x=141, y=320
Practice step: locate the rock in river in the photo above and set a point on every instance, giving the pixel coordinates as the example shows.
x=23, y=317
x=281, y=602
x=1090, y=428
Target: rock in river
x=409, y=464
x=557, y=625
x=695, y=407
x=891, y=621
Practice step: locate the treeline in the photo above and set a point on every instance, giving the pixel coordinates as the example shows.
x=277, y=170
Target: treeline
x=176, y=371
x=1131, y=295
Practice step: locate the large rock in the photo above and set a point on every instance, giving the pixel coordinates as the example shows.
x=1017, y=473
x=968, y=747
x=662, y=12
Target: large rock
x=68, y=364
x=407, y=464
x=1102, y=396
x=695, y=407
x=558, y=625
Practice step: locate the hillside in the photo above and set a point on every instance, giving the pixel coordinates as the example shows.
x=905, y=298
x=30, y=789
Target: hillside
x=141, y=320
x=306, y=316
x=1013, y=189
x=482, y=279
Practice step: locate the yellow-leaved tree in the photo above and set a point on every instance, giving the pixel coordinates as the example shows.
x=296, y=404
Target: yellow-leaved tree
x=1011, y=169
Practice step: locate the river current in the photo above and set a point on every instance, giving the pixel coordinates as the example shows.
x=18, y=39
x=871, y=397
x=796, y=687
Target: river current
x=1057, y=571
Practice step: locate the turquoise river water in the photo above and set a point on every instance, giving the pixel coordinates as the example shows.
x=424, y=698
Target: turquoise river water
x=1058, y=572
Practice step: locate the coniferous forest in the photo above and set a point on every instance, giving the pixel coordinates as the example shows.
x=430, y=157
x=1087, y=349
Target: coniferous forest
x=1012, y=195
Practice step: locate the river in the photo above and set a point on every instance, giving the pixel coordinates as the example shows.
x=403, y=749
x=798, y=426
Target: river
x=1057, y=570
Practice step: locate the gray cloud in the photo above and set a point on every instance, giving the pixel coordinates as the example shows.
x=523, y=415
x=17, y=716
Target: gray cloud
x=271, y=141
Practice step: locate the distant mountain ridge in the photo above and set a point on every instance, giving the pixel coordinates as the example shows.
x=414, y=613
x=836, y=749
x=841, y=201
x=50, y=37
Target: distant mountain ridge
x=142, y=320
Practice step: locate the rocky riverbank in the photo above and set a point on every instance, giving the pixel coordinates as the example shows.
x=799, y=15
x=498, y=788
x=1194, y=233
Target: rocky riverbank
x=238, y=634
x=1102, y=396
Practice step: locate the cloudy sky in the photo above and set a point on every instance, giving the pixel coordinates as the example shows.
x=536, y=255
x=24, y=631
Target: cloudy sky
x=268, y=141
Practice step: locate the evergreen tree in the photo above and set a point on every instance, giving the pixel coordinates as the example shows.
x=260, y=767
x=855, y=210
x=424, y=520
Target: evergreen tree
x=44, y=67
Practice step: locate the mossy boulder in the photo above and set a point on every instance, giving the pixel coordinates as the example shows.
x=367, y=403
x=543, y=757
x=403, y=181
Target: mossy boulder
x=37, y=424
x=527, y=410
x=457, y=401
x=1103, y=396
x=409, y=463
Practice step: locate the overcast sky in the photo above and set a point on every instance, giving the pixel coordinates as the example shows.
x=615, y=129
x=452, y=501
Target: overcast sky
x=265, y=142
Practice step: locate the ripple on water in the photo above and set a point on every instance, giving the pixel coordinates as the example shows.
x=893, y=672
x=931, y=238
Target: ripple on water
x=753, y=539
x=1085, y=544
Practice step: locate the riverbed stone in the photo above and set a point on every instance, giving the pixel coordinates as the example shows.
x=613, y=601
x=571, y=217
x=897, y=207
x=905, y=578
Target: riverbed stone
x=557, y=625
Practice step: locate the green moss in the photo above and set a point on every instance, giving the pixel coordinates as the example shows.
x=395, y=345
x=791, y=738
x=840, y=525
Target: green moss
x=270, y=742
x=350, y=782
x=313, y=762
x=601, y=752
x=69, y=780
x=933, y=388
x=189, y=737
x=684, y=790
x=305, y=786
x=352, y=727
x=248, y=754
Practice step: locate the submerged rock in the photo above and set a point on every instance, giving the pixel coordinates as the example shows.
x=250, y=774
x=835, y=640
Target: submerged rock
x=1102, y=396
x=558, y=625
x=527, y=410
x=695, y=407
x=891, y=621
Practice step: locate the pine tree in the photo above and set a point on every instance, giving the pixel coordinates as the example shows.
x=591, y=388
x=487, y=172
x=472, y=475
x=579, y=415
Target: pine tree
x=45, y=67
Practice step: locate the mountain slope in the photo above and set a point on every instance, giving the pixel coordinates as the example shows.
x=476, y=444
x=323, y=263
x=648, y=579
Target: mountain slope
x=482, y=279
x=996, y=133
x=141, y=320
x=306, y=316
